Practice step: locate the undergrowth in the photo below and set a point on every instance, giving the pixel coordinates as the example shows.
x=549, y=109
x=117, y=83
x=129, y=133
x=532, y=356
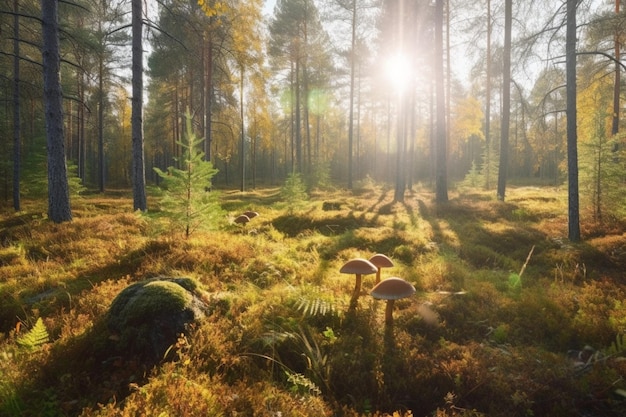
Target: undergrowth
x=509, y=319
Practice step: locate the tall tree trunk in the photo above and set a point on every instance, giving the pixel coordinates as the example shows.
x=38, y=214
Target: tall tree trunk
x=307, y=125
x=208, y=98
x=351, y=110
x=101, y=167
x=243, y=135
x=448, y=69
x=16, y=108
x=58, y=188
x=253, y=141
x=617, y=82
x=572, y=139
x=487, y=164
x=138, y=165
x=305, y=87
x=398, y=195
x=358, y=166
x=298, y=124
x=80, y=124
x=292, y=115
x=441, y=169
x=506, y=101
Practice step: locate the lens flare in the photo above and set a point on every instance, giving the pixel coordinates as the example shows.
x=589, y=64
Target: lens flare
x=398, y=72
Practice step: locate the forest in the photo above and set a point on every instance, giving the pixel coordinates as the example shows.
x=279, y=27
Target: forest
x=232, y=161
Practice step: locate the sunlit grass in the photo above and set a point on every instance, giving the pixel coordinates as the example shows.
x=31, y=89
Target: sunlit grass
x=279, y=275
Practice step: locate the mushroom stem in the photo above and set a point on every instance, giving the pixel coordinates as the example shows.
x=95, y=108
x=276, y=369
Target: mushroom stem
x=389, y=313
x=378, y=274
x=357, y=288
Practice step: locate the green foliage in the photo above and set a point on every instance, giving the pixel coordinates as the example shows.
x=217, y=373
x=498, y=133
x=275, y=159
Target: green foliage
x=188, y=201
x=474, y=178
x=157, y=297
x=302, y=384
x=35, y=337
x=10, y=403
x=483, y=175
x=618, y=317
x=293, y=192
x=601, y=170
x=501, y=333
x=34, y=169
x=75, y=183
x=320, y=176
x=313, y=306
x=34, y=182
x=515, y=283
x=618, y=346
x=286, y=277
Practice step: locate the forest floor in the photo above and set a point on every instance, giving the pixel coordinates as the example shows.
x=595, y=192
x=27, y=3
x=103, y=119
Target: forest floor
x=509, y=318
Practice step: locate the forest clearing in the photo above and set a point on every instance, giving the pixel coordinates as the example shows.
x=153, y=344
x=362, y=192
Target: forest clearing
x=310, y=208
x=509, y=318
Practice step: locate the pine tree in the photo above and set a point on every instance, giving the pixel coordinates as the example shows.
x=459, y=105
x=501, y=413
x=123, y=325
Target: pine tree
x=189, y=201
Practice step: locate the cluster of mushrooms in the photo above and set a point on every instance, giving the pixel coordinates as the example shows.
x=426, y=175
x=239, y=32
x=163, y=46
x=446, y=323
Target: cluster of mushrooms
x=245, y=217
x=389, y=289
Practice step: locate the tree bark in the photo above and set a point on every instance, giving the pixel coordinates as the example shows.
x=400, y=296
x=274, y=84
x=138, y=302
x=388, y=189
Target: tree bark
x=101, y=166
x=138, y=164
x=572, y=139
x=58, y=187
x=351, y=110
x=617, y=82
x=506, y=101
x=298, y=121
x=487, y=164
x=398, y=195
x=208, y=98
x=243, y=135
x=16, y=108
x=441, y=170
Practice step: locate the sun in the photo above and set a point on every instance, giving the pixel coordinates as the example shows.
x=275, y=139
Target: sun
x=398, y=71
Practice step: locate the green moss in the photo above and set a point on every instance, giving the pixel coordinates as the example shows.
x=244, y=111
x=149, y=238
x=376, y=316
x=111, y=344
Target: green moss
x=163, y=294
x=142, y=301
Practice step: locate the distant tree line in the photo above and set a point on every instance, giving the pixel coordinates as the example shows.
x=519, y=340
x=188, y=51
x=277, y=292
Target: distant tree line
x=485, y=93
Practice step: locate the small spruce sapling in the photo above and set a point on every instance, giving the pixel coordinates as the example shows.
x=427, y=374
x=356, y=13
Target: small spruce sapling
x=188, y=200
x=293, y=192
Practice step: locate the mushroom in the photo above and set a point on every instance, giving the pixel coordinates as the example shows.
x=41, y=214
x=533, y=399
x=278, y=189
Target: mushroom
x=380, y=261
x=391, y=290
x=359, y=267
x=251, y=214
x=242, y=219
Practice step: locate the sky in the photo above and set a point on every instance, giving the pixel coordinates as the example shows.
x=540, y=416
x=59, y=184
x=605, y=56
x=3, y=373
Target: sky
x=268, y=9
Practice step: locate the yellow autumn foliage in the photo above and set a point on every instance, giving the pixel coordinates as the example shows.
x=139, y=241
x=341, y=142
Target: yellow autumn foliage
x=212, y=8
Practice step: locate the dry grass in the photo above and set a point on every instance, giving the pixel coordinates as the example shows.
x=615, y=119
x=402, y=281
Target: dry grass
x=498, y=347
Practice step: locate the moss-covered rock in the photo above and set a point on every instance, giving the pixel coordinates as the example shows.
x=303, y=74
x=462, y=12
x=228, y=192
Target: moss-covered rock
x=147, y=317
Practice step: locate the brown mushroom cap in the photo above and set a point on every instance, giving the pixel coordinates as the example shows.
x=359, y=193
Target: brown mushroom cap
x=242, y=219
x=250, y=214
x=358, y=266
x=381, y=261
x=392, y=288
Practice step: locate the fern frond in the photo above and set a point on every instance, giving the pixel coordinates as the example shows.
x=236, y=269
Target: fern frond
x=272, y=338
x=35, y=338
x=302, y=381
x=317, y=306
